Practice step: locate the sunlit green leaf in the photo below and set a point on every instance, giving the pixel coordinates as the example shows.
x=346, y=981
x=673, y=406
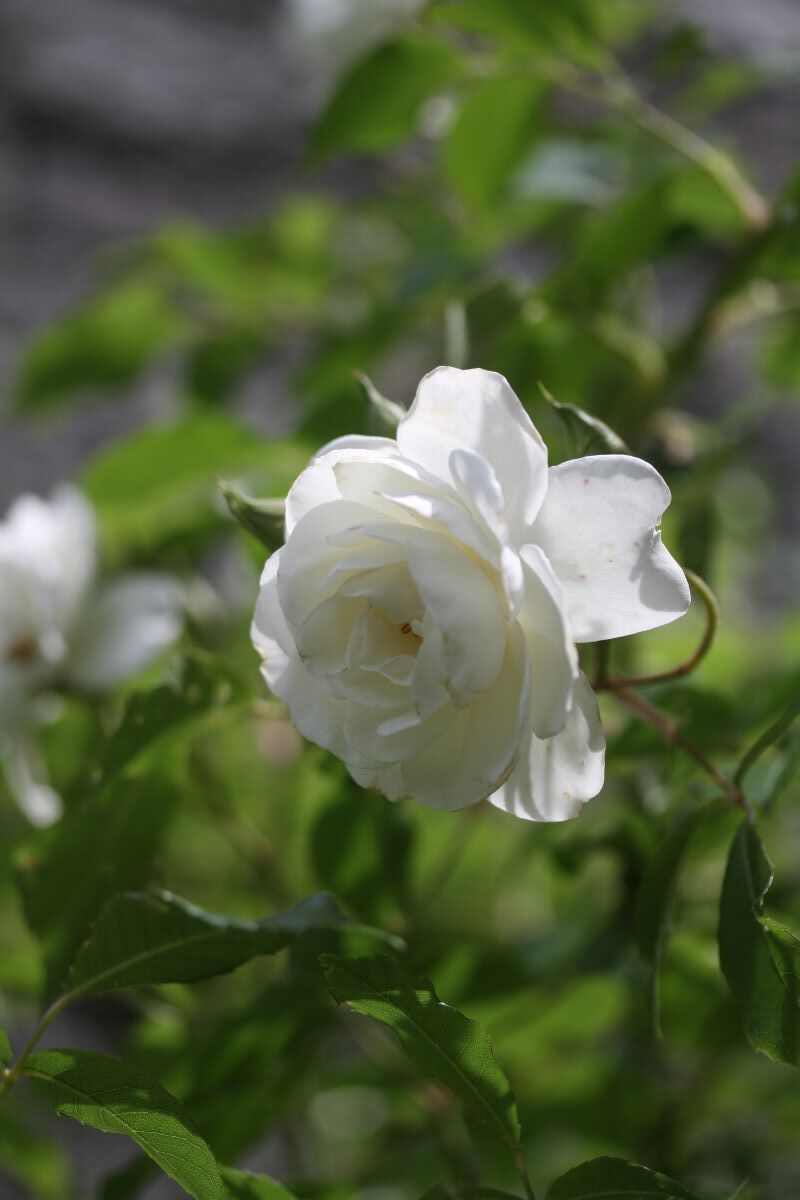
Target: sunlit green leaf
x=492, y=132
x=441, y=1041
x=102, y=1091
x=161, y=482
x=615, y=1179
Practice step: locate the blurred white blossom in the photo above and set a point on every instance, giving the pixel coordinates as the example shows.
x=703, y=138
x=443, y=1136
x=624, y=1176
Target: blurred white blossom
x=62, y=626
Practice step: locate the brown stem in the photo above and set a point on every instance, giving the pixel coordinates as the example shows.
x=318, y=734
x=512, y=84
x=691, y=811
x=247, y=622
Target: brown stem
x=701, y=589
x=645, y=710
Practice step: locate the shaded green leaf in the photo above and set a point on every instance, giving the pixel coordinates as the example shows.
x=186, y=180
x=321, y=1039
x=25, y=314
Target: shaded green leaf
x=377, y=101
x=587, y=434
x=760, y=958
x=123, y=828
x=243, y=1185
x=492, y=132
x=160, y=938
x=6, y=1053
x=102, y=1091
x=440, y=1040
x=657, y=893
x=200, y=686
x=360, y=847
x=615, y=1179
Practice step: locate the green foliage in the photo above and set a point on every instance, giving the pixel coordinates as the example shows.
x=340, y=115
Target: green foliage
x=159, y=938
x=614, y=1179
x=102, y=1091
x=377, y=102
x=5, y=1049
x=656, y=894
x=759, y=956
x=440, y=1040
x=242, y=1185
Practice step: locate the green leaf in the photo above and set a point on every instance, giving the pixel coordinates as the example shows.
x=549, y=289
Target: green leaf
x=657, y=893
x=160, y=482
x=242, y=1185
x=160, y=938
x=492, y=132
x=760, y=958
x=201, y=685
x=440, y=1040
x=102, y=1091
x=377, y=101
x=466, y=1191
x=360, y=847
x=264, y=519
x=615, y=1179
x=567, y=26
x=66, y=873
x=6, y=1053
x=122, y=819
x=102, y=345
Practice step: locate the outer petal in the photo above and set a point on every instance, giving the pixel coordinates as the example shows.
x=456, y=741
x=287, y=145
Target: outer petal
x=132, y=620
x=317, y=485
x=556, y=776
x=318, y=715
x=597, y=527
x=477, y=410
x=554, y=662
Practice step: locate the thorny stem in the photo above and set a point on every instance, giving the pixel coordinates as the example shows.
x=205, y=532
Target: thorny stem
x=11, y=1074
x=645, y=710
x=701, y=589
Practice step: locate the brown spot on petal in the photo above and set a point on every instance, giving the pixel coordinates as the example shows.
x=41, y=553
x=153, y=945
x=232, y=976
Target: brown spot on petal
x=22, y=651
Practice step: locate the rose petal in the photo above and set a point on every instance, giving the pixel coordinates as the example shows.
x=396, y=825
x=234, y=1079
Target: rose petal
x=597, y=528
x=477, y=410
x=554, y=661
x=318, y=715
x=556, y=776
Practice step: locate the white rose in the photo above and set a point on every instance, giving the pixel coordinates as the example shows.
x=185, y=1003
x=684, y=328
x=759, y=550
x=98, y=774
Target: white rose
x=421, y=621
x=59, y=625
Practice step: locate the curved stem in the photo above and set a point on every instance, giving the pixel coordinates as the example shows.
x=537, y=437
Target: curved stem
x=701, y=589
x=775, y=731
x=643, y=709
x=12, y=1074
